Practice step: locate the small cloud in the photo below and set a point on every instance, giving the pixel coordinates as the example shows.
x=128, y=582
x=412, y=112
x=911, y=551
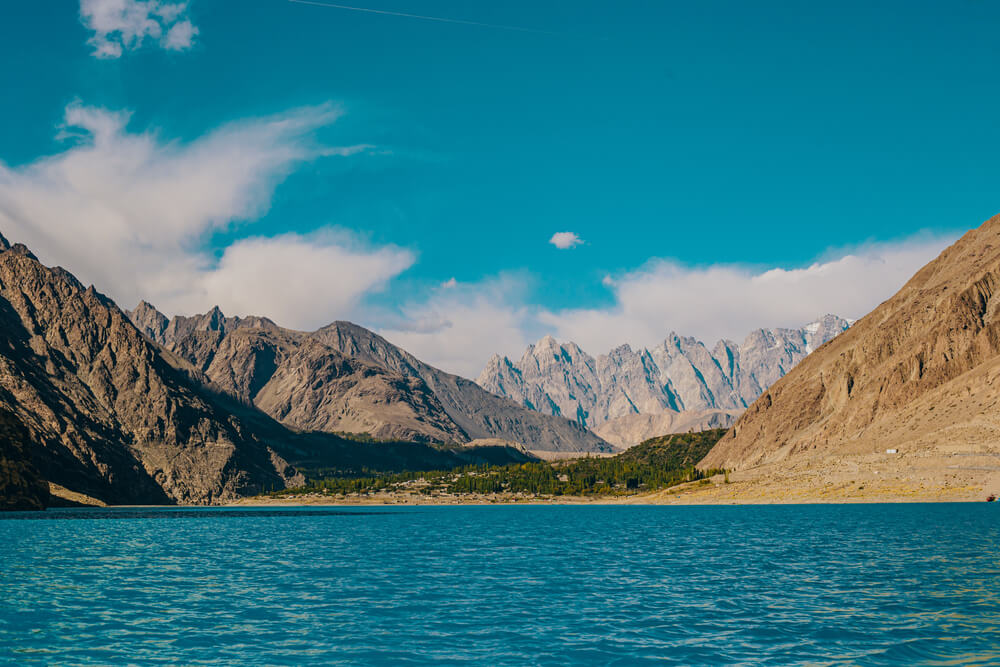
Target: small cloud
x=180, y=36
x=346, y=151
x=565, y=240
x=124, y=25
x=451, y=283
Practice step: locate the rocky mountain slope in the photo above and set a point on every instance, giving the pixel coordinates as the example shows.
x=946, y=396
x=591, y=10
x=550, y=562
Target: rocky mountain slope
x=346, y=378
x=93, y=408
x=106, y=413
x=299, y=380
x=920, y=375
x=680, y=375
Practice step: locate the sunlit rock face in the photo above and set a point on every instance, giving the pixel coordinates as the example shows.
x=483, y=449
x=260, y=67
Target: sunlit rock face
x=680, y=374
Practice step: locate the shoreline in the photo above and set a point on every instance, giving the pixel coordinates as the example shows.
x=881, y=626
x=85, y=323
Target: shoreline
x=764, y=485
x=692, y=493
x=646, y=500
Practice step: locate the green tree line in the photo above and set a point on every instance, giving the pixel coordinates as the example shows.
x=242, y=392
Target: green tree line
x=655, y=464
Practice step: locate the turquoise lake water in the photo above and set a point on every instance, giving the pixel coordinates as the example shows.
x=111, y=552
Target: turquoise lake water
x=858, y=584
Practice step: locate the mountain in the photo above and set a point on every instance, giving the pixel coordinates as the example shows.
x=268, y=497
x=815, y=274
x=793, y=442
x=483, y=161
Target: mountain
x=21, y=485
x=344, y=378
x=107, y=414
x=92, y=407
x=299, y=380
x=627, y=430
x=681, y=375
x=920, y=375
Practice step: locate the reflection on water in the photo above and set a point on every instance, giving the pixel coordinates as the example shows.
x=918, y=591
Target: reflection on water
x=859, y=584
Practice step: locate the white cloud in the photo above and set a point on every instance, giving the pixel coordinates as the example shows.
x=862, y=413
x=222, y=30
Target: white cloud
x=180, y=36
x=131, y=213
x=728, y=301
x=565, y=240
x=459, y=330
x=307, y=281
x=120, y=25
x=457, y=327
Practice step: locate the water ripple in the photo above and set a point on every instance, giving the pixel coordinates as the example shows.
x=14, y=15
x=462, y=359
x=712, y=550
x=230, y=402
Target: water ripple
x=810, y=585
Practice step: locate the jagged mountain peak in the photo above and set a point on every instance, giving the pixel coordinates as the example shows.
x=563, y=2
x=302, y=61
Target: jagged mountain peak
x=150, y=321
x=146, y=307
x=546, y=346
x=21, y=249
x=622, y=350
x=680, y=373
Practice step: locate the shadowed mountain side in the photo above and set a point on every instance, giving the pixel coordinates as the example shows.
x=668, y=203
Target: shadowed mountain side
x=300, y=381
x=920, y=374
x=107, y=414
x=344, y=378
x=21, y=485
x=339, y=455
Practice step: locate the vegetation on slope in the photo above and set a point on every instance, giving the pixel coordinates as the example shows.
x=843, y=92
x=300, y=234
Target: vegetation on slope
x=655, y=464
x=21, y=485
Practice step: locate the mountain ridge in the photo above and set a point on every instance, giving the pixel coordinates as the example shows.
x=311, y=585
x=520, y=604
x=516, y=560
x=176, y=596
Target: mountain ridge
x=680, y=375
x=918, y=377
x=106, y=413
x=343, y=377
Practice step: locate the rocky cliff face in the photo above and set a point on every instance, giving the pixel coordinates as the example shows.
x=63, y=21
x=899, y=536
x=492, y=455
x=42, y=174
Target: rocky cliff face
x=301, y=381
x=920, y=374
x=679, y=375
x=346, y=378
x=106, y=413
x=21, y=485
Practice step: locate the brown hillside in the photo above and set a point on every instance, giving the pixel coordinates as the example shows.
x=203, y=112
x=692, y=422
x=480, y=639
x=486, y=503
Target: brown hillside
x=344, y=377
x=920, y=373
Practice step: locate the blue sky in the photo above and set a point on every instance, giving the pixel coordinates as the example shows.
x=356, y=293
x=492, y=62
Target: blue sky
x=314, y=163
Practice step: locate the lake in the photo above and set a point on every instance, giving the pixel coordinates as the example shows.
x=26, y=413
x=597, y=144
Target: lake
x=626, y=585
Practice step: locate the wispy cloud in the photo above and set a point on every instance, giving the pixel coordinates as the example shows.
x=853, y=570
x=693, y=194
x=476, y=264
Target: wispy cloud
x=422, y=17
x=565, y=240
x=122, y=25
x=130, y=212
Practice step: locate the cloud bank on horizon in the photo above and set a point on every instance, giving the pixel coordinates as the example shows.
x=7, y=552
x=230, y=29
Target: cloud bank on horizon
x=124, y=25
x=709, y=302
